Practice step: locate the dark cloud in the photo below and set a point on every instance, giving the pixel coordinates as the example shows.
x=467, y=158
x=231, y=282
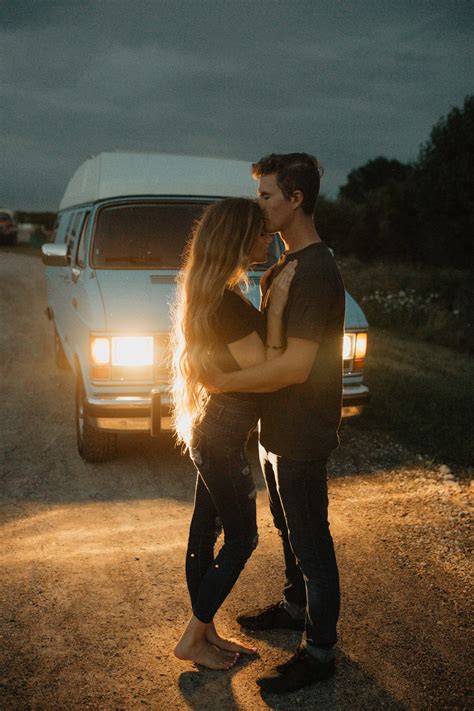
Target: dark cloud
x=347, y=81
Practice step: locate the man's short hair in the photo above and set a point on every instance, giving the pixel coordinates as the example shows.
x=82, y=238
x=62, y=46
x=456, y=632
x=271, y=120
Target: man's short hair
x=294, y=171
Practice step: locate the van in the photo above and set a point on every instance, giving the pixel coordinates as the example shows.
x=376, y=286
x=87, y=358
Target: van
x=111, y=271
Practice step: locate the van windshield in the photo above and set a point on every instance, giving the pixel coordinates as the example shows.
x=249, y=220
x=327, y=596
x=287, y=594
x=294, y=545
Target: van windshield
x=144, y=235
x=148, y=236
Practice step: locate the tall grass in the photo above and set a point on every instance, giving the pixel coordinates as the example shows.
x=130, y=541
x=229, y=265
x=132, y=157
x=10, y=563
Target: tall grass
x=432, y=304
x=423, y=395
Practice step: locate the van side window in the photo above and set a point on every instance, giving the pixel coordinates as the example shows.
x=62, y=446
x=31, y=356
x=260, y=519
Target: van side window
x=73, y=231
x=81, y=247
x=63, y=223
x=57, y=222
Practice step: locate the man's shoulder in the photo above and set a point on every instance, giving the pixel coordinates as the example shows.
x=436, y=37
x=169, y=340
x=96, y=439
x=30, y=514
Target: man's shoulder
x=315, y=253
x=317, y=261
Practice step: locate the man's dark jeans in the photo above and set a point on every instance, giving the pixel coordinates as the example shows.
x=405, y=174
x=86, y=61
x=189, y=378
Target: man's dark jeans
x=225, y=496
x=298, y=497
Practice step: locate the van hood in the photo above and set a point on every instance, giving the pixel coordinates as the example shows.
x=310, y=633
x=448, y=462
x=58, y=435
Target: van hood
x=355, y=317
x=136, y=300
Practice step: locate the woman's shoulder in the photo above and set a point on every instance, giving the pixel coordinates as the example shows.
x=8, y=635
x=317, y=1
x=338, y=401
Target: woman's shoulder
x=232, y=298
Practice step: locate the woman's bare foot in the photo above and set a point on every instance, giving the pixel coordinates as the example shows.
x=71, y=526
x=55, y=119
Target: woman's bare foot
x=204, y=653
x=228, y=645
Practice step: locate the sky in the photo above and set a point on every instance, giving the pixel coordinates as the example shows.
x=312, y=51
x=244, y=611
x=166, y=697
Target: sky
x=345, y=80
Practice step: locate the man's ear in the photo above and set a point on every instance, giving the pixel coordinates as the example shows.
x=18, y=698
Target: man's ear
x=297, y=198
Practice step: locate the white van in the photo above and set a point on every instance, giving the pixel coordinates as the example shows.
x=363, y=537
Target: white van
x=119, y=238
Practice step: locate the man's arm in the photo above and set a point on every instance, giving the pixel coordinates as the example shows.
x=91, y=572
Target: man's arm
x=294, y=366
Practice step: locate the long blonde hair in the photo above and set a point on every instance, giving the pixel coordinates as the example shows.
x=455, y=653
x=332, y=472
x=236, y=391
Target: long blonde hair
x=217, y=256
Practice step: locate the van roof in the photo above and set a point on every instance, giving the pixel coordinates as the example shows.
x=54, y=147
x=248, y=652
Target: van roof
x=110, y=175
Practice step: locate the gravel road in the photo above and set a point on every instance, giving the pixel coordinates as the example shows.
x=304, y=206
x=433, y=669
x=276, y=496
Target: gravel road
x=93, y=594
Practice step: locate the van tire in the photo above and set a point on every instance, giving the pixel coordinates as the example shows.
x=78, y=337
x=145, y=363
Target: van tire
x=93, y=446
x=59, y=354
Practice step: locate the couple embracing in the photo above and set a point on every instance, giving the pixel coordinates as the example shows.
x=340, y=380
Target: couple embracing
x=234, y=365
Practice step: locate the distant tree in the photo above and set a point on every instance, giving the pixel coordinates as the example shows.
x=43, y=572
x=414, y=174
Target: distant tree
x=379, y=205
x=419, y=212
x=334, y=221
x=371, y=176
x=445, y=187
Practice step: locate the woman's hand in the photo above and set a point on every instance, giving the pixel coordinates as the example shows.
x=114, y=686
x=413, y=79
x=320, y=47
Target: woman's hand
x=280, y=288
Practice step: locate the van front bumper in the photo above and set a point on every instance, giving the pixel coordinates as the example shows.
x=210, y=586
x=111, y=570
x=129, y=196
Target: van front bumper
x=354, y=399
x=151, y=412
x=130, y=413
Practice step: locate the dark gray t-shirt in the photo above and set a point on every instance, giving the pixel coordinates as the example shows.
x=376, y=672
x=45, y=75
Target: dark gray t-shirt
x=301, y=421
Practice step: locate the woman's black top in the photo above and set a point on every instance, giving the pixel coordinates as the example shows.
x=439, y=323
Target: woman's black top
x=233, y=320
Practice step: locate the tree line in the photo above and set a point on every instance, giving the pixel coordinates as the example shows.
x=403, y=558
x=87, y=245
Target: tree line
x=413, y=212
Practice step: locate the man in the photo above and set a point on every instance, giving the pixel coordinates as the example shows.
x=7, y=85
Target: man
x=301, y=416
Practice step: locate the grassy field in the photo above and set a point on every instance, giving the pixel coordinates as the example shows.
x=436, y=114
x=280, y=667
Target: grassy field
x=432, y=304
x=423, y=395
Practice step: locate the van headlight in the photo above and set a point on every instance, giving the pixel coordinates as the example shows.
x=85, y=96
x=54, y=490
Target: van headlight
x=348, y=346
x=100, y=351
x=361, y=345
x=134, y=351
x=129, y=359
x=122, y=351
x=354, y=350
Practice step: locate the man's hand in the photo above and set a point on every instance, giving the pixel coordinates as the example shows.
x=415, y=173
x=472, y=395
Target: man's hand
x=214, y=380
x=293, y=367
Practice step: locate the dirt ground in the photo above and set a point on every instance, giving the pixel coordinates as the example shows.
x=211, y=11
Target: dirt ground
x=93, y=594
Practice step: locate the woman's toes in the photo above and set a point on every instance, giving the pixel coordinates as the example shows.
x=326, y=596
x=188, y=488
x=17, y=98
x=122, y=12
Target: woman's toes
x=230, y=645
x=206, y=655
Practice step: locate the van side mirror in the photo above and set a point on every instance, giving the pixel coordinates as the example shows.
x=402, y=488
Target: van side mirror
x=55, y=255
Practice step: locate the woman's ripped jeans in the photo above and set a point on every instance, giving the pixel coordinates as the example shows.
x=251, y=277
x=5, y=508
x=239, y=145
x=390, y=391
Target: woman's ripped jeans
x=225, y=498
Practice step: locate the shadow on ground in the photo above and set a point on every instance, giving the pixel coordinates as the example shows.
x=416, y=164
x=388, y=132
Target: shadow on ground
x=351, y=688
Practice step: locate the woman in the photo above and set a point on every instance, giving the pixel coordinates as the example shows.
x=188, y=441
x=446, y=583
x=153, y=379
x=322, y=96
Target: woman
x=216, y=326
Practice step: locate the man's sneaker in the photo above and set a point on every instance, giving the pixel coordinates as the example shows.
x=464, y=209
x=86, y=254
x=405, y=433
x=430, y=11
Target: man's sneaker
x=271, y=618
x=300, y=670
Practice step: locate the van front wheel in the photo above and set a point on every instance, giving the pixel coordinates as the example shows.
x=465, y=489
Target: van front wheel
x=93, y=446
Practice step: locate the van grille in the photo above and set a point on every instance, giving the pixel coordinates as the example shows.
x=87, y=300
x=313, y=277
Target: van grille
x=163, y=358
x=159, y=279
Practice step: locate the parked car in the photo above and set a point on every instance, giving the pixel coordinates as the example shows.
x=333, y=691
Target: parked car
x=111, y=274
x=8, y=226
